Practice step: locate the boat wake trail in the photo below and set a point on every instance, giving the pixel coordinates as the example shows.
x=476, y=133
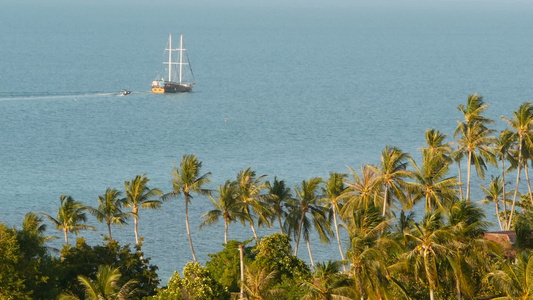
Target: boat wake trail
x=73, y=96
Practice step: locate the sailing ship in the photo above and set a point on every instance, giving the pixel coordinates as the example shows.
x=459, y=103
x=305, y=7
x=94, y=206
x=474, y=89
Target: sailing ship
x=176, y=82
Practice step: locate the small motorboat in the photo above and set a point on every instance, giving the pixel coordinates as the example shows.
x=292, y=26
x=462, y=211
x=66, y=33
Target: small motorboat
x=124, y=92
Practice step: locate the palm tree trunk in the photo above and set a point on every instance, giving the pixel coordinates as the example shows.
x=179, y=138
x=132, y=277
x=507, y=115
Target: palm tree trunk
x=498, y=213
x=299, y=233
x=468, y=174
x=309, y=249
x=385, y=199
x=460, y=180
x=338, y=237
x=527, y=180
x=66, y=236
x=280, y=225
x=109, y=229
x=225, y=232
x=458, y=289
x=517, y=183
x=187, y=226
x=504, y=200
x=135, y=228
x=431, y=294
x=253, y=230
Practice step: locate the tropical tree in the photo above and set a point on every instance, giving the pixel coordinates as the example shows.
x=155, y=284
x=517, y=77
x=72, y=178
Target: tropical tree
x=362, y=191
x=503, y=151
x=139, y=195
x=496, y=193
x=226, y=206
x=186, y=180
x=109, y=209
x=369, y=248
x=33, y=225
x=252, y=201
x=327, y=283
x=515, y=280
x=431, y=184
x=333, y=191
x=70, y=216
x=309, y=213
x=430, y=239
x=435, y=146
x=475, y=140
x=391, y=173
x=258, y=284
x=105, y=286
x=472, y=113
x=279, y=197
x=522, y=124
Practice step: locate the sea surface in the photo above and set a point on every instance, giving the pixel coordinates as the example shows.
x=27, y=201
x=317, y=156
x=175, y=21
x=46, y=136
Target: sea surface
x=293, y=89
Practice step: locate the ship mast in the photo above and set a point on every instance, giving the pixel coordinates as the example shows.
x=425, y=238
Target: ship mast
x=170, y=63
x=181, y=55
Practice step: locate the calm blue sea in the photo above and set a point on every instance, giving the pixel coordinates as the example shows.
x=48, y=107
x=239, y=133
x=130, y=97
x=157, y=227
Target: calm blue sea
x=295, y=89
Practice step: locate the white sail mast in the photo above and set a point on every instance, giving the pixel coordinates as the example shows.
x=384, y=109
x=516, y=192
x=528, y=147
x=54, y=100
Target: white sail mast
x=181, y=55
x=170, y=63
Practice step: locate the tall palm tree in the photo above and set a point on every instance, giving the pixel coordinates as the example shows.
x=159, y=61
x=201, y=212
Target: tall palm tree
x=430, y=239
x=431, y=183
x=391, y=173
x=472, y=113
x=475, y=140
x=309, y=213
x=109, y=209
x=515, y=280
x=186, y=180
x=435, y=145
x=139, y=195
x=33, y=225
x=327, y=283
x=522, y=124
x=249, y=189
x=105, y=286
x=502, y=147
x=333, y=190
x=279, y=197
x=70, y=216
x=362, y=191
x=368, y=250
x=495, y=193
x=226, y=206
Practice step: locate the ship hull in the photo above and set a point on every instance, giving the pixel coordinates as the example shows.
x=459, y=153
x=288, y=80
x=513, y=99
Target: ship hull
x=172, y=88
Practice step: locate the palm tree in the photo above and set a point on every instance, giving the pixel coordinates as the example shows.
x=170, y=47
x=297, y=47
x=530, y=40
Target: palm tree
x=226, y=207
x=475, y=141
x=495, y=193
x=33, y=226
x=307, y=211
x=522, y=123
x=70, y=215
x=515, y=280
x=105, y=286
x=278, y=198
x=502, y=147
x=248, y=194
x=110, y=209
x=362, y=191
x=333, y=191
x=431, y=183
x=436, y=147
x=327, y=283
x=430, y=239
x=258, y=284
x=368, y=250
x=391, y=172
x=187, y=180
x=138, y=196
x=472, y=113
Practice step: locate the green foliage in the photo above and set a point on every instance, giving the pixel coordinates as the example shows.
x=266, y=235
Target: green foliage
x=225, y=267
x=84, y=260
x=25, y=266
x=196, y=284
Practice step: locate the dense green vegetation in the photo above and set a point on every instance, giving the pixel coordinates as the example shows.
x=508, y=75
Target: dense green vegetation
x=390, y=255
